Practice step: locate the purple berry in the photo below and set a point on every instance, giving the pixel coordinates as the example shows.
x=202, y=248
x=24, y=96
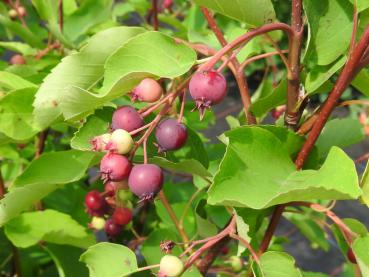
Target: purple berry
x=114, y=167
x=126, y=118
x=145, y=180
x=170, y=134
x=111, y=228
x=94, y=201
x=207, y=88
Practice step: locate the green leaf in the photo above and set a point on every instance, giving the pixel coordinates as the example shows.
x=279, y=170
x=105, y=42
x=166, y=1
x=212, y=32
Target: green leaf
x=361, y=82
x=361, y=4
x=330, y=28
x=242, y=231
x=83, y=69
x=19, y=47
x=66, y=260
x=364, y=183
x=339, y=132
x=48, y=225
x=196, y=148
x=360, y=248
x=127, y=67
x=96, y=124
x=16, y=118
x=254, y=13
x=11, y=81
x=258, y=168
x=276, y=264
x=40, y=178
x=319, y=74
x=109, y=260
x=192, y=167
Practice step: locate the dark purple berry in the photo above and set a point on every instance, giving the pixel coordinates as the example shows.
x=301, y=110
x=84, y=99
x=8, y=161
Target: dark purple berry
x=122, y=216
x=145, y=180
x=351, y=256
x=207, y=88
x=114, y=167
x=126, y=118
x=94, y=201
x=170, y=134
x=112, y=229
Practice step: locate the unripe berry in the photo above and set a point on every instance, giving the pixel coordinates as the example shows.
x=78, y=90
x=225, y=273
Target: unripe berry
x=149, y=90
x=122, y=216
x=351, y=256
x=170, y=266
x=170, y=134
x=17, y=59
x=111, y=228
x=126, y=118
x=114, y=167
x=207, y=88
x=99, y=143
x=97, y=223
x=124, y=195
x=94, y=201
x=236, y=263
x=167, y=4
x=12, y=14
x=145, y=180
x=22, y=11
x=120, y=142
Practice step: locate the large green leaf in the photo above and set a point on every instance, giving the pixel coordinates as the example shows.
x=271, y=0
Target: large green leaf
x=361, y=4
x=51, y=226
x=16, y=118
x=41, y=177
x=19, y=47
x=276, y=264
x=330, y=26
x=360, y=248
x=257, y=172
x=361, y=82
x=151, y=54
x=109, y=260
x=83, y=69
x=254, y=13
x=339, y=132
x=11, y=81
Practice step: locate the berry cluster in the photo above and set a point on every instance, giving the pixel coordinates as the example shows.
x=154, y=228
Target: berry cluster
x=111, y=210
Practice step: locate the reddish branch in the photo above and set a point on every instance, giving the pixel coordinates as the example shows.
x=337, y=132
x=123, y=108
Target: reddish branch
x=60, y=13
x=155, y=22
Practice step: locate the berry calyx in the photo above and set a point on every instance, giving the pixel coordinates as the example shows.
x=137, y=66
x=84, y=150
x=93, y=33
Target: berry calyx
x=122, y=216
x=207, y=88
x=99, y=143
x=112, y=229
x=97, y=223
x=114, y=167
x=17, y=59
x=170, y=266
x=351, y=256
x=94, y=201
x=126, y=118
x=120, y=142
x=170, y=134
x=149, y=90
x=145, y=181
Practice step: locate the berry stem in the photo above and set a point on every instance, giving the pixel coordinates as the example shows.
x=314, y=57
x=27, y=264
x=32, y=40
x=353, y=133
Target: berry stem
x=145, y=150
x=155, y=22
x=148, y=267
x=60, y=14
x=183, y=102
x=188, y=205
x=259, y=57
x=248, y=246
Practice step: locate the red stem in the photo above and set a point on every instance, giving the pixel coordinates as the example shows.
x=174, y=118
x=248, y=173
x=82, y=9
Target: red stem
x=155, y=23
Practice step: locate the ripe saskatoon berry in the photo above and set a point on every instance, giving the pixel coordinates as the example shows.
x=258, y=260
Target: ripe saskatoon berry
x=99, y=143
x=110, y=188
x=207, y=88
x=126, y=118
x=170, y=134
x=97, y=223
x=149, y=90
x=120, y=142
x=94, y=201
x=170, y=266
x=145, y=180
x=114, y=167
x=17, y=59
x=351, y=256
x=122, y=216
x=111, y=228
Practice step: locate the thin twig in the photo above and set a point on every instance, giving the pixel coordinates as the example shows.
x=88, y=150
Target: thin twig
x=248, y=246
x=61, y=16
x=259, y=57
x=2, y=185
x=155, y=23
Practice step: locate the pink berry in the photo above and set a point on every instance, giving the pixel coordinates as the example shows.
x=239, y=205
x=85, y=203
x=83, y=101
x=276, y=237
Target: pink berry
x=122, y=216
x=111, y=228
x=94, y=200
x=22, y=11
x=170, y=134
x=149, y=90
x=17, y=59
x=126, y=118
x=99, y=143
x=207, y=88
x=114, y=167
x=167, y=4
x=145, y=180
